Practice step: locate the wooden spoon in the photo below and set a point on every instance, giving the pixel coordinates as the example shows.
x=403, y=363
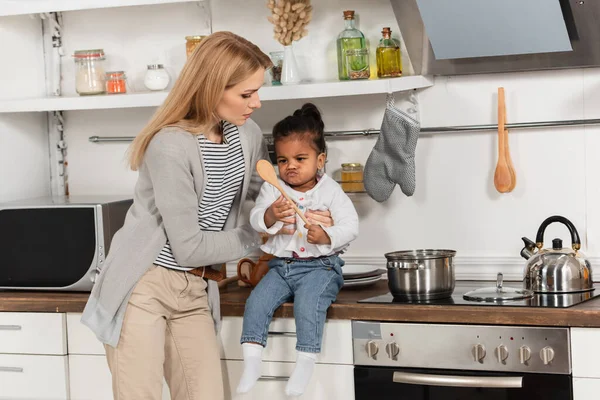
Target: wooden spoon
x=267, y=172
x=502, y=175
x=511, y=168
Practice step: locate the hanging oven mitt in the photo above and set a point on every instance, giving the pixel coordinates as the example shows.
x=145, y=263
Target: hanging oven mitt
x=392, y=160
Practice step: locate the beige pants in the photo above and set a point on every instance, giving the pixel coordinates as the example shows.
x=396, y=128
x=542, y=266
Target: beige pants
x=168, y=331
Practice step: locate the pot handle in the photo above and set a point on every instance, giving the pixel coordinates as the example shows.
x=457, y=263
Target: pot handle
x=575, y=241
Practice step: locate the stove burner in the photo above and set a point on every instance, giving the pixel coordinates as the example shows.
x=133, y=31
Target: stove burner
x=559, y=300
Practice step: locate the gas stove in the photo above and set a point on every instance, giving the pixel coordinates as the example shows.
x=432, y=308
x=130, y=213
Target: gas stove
x=462, y=287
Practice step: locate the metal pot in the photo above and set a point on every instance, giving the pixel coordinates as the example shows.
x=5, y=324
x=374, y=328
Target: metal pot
x=557, y=269
x=421, y=274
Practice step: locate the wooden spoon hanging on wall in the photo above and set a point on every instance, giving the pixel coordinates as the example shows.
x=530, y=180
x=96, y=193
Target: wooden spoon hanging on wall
x=502, y=176
x=511, y=168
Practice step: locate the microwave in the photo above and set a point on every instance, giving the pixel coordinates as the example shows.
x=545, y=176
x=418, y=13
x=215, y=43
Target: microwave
x=57, y=243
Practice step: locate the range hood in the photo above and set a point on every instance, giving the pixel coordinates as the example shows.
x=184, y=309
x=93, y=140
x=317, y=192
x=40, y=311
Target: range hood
x=481, y=36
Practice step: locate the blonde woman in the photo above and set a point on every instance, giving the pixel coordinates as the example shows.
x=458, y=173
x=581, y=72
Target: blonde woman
x=150, y=305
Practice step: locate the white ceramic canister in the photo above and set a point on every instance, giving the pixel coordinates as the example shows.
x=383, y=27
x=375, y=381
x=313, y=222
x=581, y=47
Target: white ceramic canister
x=156, y=77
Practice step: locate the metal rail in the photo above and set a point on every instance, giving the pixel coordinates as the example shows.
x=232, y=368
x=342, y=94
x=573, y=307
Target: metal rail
x=443, y=129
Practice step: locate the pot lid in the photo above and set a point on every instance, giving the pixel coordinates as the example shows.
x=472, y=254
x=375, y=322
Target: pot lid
x=498, y=293
x=422, y=254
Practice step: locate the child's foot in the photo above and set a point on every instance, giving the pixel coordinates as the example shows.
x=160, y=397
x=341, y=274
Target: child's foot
x=252, y=362
x=305, y=363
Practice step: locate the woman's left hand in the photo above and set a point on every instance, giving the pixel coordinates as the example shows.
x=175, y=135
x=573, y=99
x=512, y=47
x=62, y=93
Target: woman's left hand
x=318, y=217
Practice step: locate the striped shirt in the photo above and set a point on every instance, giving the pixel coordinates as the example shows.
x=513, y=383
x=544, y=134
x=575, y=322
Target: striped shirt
x=224, y=168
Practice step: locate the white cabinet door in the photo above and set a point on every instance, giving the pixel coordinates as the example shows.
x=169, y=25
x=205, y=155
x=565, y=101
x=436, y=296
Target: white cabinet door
x=90, y=379
x=585, y=352
x=329, y=382
x=281, y=343
x=586, y=389
x=33, y=377
x=81, y=340
x=33, y=333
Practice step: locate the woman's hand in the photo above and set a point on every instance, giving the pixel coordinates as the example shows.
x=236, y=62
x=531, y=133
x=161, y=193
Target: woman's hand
x=280, y=210
x=317, y=217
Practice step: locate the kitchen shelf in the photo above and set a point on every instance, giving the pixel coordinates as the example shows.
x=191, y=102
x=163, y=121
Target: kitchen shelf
x=153, y=99
x=20, y=7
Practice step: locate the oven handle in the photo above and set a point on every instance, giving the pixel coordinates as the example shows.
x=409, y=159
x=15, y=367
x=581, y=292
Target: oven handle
x=458, y=381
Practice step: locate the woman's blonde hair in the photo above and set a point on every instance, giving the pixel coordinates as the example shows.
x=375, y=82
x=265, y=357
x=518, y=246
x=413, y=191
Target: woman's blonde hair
x=220, y=61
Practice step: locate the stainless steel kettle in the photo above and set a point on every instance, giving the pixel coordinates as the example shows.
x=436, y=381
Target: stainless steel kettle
x=557, y=269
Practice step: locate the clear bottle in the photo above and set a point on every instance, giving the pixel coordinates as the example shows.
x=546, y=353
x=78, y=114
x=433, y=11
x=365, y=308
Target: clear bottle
x=89, y=72
x=389, y=61
x=349, y=39
x=156, y=77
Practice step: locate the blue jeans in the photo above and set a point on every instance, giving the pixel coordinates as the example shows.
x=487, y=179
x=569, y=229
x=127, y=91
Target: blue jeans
x=312, y=283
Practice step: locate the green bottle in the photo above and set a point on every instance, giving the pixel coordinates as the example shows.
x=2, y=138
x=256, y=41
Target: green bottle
x=349, y=39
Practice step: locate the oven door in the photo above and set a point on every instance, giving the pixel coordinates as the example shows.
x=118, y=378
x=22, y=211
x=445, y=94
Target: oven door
x=384, y=383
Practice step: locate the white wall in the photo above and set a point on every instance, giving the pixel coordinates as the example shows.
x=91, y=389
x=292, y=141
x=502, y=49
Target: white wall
x=455, y=204
x=24, y=165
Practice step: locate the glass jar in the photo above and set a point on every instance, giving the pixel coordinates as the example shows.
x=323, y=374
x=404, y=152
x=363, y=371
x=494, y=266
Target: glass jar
x=89, y=72
x=389, y=61
x=349, y=39
x=116, y=82
x=357, y=64
x=277, y=59
x=156, y=78
x=191, y=42
x=352, y=178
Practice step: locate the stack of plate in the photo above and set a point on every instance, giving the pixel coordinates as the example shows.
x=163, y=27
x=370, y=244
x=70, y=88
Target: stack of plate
x=361, y=275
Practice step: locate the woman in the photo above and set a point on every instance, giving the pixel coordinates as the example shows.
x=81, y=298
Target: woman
x=150, y=305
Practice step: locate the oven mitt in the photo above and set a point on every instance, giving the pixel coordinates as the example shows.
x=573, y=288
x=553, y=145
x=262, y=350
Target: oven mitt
x=392, y=160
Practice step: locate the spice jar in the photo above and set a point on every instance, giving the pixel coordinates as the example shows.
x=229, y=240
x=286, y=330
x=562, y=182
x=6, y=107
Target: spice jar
x=156, y=77
x=277, y=59
x=352, y=177
x=89, y=72
x=191, y=42
x=116, y=82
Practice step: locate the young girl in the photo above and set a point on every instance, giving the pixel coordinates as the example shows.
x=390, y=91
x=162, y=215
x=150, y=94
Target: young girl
x=306, y=267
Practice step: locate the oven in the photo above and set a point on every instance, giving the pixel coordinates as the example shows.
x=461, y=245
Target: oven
x=460, y=362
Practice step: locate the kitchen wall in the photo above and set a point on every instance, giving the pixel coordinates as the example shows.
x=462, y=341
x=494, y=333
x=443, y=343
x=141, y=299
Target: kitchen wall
x=455, y=204
x=24, y=164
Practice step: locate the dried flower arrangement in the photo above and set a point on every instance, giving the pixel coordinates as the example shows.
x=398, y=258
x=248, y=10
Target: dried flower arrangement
x=289, y=18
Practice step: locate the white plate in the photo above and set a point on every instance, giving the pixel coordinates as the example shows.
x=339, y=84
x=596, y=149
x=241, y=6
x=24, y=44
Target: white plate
x=359, y=269
x=361, y=282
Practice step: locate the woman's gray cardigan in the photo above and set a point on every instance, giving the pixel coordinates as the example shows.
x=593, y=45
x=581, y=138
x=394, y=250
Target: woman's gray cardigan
x=165, y=204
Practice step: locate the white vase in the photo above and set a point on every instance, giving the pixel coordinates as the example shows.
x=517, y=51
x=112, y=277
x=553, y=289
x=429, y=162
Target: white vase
x=290, y=75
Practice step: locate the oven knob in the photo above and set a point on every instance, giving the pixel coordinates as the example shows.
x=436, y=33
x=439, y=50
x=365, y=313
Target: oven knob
x=392, y=349
x=524, y=354
x=478, y=353
x=547, y=355
x=372, y=349
x=501, y=354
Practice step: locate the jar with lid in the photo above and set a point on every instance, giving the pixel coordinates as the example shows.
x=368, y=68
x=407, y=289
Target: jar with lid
x=191, y=42
x=352, y=178
x=116, y=82
x=156, y=77
x=89, y=72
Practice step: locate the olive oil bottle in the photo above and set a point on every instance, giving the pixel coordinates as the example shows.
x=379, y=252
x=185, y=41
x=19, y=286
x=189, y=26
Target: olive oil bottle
x=349, y=39
x=389, y=60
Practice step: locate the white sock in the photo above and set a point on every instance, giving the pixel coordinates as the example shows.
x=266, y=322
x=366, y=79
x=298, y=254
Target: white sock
x=252, y=364
x=305, y=363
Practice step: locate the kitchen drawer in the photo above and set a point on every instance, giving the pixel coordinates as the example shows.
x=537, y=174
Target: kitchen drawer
x=586, y=389
x=33, y=333
x=281, y=344
x=329, y=382
x=585, y=352
x=33, y=377
x=90, y=379
x=80, y=339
